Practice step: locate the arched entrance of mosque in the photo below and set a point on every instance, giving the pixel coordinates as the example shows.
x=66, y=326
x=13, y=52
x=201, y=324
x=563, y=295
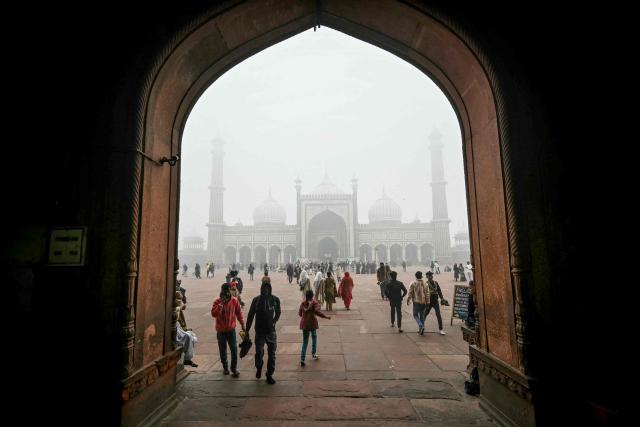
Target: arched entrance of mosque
x=381, y=253
x=411, y=254
x=274, y=255
x=426, y=254
x=396, y=255
x=365, y=253
x=328, y=249
x=229, y=255
x=222, y=37
x=323, y=228
x=260, y=256
x=245, y=255
x=289, y=254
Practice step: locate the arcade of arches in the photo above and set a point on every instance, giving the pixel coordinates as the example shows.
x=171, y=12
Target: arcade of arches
x=115, y=187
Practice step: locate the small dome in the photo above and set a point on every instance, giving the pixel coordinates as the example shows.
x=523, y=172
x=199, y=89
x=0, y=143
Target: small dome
x=238, y=223
x=385, y=211
x=269, y=212
x=327, y=187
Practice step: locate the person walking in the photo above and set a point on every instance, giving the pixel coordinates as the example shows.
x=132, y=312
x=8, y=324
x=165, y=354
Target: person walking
x=308, y=311
x=226, y=309
x=266, y=310
x=434, y=293
x=290, y=272
x=381, y=275
x=395, y=292
x=318, y=286
x=305, y=282
x=469, y=271
x=419, y=295
x=330, y=291
x=250, y=270
x=345, y=289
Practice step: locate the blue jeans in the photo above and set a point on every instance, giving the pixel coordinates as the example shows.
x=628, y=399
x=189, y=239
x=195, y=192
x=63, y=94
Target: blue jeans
x=419, y=314
x=305, y=342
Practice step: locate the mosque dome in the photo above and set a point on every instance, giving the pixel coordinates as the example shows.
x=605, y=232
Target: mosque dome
x=269, y=212
x=385, y=211
x=326, y=187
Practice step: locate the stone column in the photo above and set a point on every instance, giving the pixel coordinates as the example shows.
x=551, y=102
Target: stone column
x=298, y=219
x=442, y=238
x=215, y=241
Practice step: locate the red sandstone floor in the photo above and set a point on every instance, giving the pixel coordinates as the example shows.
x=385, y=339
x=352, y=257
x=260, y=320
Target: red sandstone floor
x=367, y=374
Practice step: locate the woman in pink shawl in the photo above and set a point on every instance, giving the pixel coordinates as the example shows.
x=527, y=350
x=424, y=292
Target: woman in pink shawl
x=344, y=291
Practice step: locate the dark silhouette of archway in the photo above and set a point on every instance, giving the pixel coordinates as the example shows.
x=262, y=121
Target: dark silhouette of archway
x=324, y=225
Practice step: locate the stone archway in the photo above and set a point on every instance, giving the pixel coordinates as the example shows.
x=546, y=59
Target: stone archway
x=274, y=255
x=366, y=253
x=426, y=254
x=328, y=249
x=224, y=36
x=327, y=225
x=411, y=254
x=380, y=253
x=396, y=254
x=260, y=256
x=289, y=254
x=245, y=255
x=229, y=255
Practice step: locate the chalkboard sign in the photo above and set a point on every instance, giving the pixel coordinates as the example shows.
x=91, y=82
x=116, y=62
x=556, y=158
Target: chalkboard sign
x=460, y=302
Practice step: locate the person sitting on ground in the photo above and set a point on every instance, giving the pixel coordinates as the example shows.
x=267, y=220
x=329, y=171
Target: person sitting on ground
x=184, y=338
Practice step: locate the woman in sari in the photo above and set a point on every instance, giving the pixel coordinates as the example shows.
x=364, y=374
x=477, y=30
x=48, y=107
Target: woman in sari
x=346, y=286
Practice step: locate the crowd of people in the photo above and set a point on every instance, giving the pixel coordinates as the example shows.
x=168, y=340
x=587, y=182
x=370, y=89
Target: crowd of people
x=319, y=283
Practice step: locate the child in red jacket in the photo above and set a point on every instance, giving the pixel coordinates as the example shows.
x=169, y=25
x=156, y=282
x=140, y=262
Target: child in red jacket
x=309, y=309
x=225, y=310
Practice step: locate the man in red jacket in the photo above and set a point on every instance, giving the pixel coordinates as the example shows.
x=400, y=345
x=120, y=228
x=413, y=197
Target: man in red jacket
x=225, y=310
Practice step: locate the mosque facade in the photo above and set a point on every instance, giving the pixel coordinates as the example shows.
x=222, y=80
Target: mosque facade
x=327, y=225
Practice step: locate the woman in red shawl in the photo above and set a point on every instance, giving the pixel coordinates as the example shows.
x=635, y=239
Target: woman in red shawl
x=346, y=286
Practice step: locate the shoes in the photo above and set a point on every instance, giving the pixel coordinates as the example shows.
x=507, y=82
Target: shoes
x=302, y=363
x=315, y=356
x=226, y=371
x=399, y=330
x=392, y=325
x=421, y=330
x=270, y=379
x=190, y=363
x=258, y=373
x=235, y=374
x=442, y=332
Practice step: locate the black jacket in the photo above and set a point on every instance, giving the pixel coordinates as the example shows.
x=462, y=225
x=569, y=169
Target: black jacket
x=395, y=291
x=266, y=312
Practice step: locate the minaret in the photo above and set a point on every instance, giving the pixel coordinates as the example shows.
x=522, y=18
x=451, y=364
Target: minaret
x=216, y=203
x=298, y=219
x=442, y=240
x=354, y=195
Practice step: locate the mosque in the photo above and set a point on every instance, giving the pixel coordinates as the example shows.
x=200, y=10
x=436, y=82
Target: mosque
x=327, y=226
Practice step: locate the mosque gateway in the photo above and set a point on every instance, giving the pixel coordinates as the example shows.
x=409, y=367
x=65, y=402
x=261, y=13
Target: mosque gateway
x=327, y=225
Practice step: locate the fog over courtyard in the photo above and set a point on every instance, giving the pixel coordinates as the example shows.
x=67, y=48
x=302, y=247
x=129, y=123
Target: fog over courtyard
x=320, y=102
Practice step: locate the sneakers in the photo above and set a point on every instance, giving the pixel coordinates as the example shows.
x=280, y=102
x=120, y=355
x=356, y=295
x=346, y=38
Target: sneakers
x=258, y=373
x=399, y=330
x=421, y=332
x=302, y=363
x=270, y=379
x=392, y=325
x=314, y=356
x=226, y=371
x=442, y=332
x=235, y=374
x=190, y=363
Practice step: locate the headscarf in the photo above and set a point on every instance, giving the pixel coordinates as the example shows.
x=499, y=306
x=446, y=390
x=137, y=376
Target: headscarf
x=347, y=280
x=318, y=277
x=304, y=276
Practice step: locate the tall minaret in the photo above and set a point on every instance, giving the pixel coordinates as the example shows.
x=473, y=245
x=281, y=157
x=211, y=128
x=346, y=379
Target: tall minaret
x=298, y=219
x=354, y=195
x=216, y=191
x=442, y=240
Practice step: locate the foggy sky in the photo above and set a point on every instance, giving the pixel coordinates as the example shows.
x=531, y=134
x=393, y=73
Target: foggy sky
x=320, y=100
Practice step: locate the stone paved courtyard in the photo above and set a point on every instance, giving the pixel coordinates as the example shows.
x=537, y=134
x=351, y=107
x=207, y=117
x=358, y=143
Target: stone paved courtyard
x=367, y=373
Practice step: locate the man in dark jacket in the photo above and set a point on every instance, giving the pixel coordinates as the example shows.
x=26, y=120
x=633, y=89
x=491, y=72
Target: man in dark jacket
x=395, y=292
x=435, y=293
x=266, y=309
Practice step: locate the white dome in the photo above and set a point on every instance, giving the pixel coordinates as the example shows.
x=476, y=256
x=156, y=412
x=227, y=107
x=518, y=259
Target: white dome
x=269, y=212
x=385, y=210
x=327, y=187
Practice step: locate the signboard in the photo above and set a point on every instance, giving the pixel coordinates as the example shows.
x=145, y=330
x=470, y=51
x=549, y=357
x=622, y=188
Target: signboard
x=67, y=246
x=460, y=302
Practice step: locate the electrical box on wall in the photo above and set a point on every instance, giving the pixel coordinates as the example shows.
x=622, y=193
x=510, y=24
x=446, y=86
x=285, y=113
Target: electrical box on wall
x=67, y=246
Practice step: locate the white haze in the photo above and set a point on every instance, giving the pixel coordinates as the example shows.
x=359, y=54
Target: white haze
x=320, y=100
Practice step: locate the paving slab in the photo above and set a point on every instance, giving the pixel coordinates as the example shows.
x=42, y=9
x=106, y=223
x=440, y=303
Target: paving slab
x=451, y=412
x=346, y=388
x=414, y=389
x=235, y=388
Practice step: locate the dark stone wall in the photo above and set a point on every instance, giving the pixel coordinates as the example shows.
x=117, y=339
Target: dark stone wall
x=70, y=84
